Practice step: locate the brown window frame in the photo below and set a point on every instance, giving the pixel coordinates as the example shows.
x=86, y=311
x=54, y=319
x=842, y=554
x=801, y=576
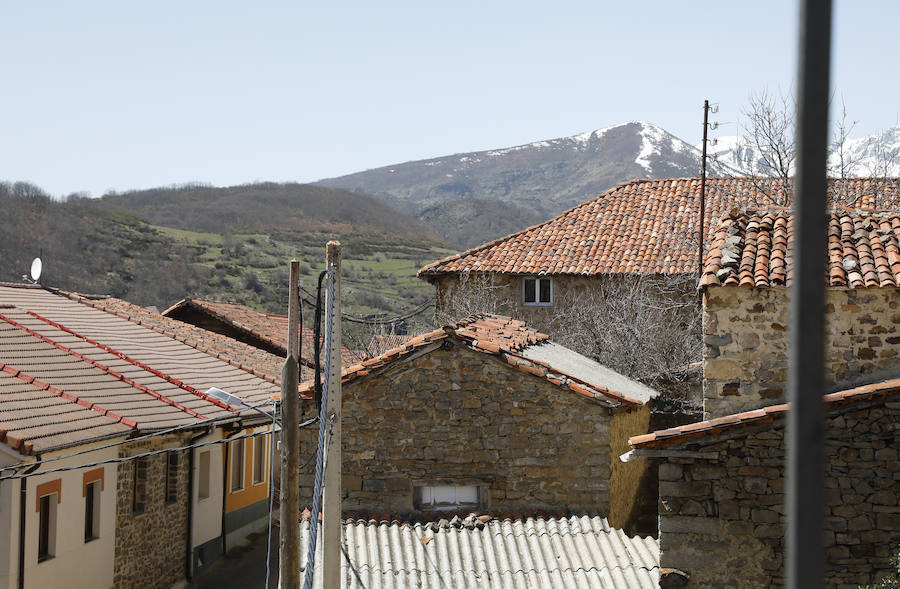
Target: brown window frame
x=173, y=461
x=139, y=486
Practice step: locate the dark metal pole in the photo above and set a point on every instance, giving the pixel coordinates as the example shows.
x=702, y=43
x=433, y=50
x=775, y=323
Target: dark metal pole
x=805, y=476
x=700, y=226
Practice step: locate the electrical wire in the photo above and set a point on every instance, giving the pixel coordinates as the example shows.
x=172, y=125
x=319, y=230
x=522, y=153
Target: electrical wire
x=204, y=423
x=366, y=321
x=122, y=459
x=320, y=449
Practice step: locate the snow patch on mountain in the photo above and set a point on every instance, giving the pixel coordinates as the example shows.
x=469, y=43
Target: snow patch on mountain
x=873, y=155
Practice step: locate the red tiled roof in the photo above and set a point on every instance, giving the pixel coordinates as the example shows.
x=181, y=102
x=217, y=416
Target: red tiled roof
x=90, y=375
x=268, y=327
x=754, y=249
x=497, y=336
x=244, y=356
x=642, y=226
x=763, y=415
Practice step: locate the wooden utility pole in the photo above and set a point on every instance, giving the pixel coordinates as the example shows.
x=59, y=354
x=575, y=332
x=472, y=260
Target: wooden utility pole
x=289, y=550
x=331, y=505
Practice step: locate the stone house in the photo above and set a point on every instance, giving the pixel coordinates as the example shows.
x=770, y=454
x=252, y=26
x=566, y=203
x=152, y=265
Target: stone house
x=721, y=481
x=487, y=414
x=722, y=492
x=637, y=228
x=746, y=306
x=78, y=383
x=639, y=239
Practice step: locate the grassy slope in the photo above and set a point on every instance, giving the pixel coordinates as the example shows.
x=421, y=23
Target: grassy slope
x=95, y=248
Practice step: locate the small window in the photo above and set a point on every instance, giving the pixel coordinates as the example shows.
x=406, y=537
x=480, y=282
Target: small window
x=259, y=460
x=203, y=476
x=47, y=526
x=538, y=291
x=91, y=511
x=237, y=465
x=171, y=477
x=139, y=500
x=446, y=497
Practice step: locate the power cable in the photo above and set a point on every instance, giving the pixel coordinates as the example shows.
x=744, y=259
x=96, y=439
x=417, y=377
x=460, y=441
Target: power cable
x=366, y=321
x=320, y=449
x=123, y=459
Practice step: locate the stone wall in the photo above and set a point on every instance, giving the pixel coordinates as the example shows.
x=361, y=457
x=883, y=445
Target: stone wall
x=745, y=333
x=457, y=416
x=151, y=547
x=722, y=519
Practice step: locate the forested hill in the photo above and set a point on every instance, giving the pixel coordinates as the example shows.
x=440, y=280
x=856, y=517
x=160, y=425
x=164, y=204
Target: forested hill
x=233, y=244
x=90, y=250
x=267, y=205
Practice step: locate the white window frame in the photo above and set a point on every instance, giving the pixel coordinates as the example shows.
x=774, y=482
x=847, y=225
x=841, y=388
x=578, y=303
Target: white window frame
x=537, y=291
x=437, y=497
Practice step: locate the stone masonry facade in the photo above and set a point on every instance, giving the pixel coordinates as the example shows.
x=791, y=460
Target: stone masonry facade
x=723, y=519
x=151, y=546
x=503, y=293
x=745, y=333
x=459, y=417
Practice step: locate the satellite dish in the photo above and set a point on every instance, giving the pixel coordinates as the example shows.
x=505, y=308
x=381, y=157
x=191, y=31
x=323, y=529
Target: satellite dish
x=36, y=268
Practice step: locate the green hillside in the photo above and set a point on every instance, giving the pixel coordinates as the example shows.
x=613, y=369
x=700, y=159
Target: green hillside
x=93, y=247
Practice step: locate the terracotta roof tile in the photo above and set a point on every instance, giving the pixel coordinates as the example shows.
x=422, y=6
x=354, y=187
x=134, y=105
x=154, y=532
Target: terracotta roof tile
x=495, y=335
x=756, y=416
x=646, y=226
x=70, y=373
x=754, y=249
x=271, y=328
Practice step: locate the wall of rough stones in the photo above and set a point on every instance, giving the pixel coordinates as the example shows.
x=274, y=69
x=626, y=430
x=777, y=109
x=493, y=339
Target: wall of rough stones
x=151, y=547
x=745, y=333
x=722, y=520
x=457, y=416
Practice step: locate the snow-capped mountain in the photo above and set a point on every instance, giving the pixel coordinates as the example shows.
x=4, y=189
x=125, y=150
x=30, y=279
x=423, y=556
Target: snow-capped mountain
x=873, y=155
x=534, y=181
x=470, y=198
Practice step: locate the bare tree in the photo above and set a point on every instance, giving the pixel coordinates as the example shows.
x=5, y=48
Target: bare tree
x=770, y=132
x=475, y=292
x=767, y=154
x=646, y=327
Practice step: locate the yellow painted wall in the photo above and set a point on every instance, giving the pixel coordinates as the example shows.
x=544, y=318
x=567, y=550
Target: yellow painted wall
x=628, y=486
x=251, y=493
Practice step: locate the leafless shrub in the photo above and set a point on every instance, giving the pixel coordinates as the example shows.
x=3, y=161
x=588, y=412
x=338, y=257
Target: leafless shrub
x=646, y=327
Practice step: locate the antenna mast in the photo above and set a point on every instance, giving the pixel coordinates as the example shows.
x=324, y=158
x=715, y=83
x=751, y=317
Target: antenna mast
x=701, y=226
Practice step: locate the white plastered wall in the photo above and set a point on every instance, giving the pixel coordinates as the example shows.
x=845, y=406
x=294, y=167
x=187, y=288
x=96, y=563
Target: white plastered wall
x=207, y=523
x=75, y=563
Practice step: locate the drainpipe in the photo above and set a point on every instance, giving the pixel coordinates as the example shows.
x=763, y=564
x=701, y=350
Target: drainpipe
x=23, y=495
x=189, y=562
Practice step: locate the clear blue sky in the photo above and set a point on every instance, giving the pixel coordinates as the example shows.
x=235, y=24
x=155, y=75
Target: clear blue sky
x=119, y=95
